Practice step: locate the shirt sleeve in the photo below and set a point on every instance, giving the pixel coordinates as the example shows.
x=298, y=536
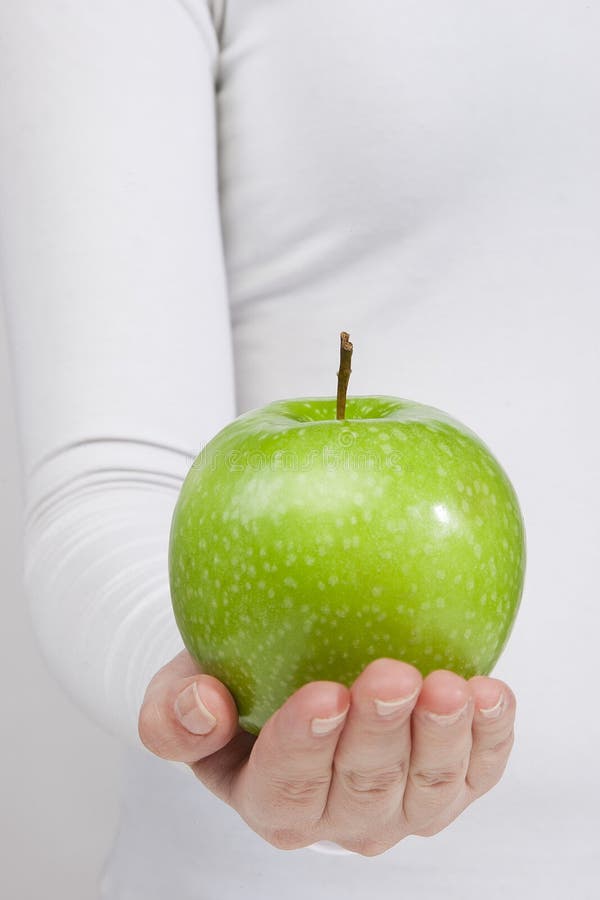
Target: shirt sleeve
x=117, y=317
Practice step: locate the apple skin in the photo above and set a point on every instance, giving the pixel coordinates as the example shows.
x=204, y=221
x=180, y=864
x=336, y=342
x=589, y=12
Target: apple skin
x=303, y=547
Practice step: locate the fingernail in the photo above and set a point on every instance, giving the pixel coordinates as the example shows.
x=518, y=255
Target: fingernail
x=326, y=726
x=495, y=711
x=388, y=708
x=449, y=719
x=192, y=713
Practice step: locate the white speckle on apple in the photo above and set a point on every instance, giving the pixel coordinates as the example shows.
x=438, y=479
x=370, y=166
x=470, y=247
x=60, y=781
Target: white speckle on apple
x=440, y=575
x=333, y=579
x=440, y=602
x=465, y=506
x=460, y=486
x=321, y=585
x=376, y=590
x=309, y=560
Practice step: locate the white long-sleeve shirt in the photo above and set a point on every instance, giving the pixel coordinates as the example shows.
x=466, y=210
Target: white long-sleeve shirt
x=184, y=184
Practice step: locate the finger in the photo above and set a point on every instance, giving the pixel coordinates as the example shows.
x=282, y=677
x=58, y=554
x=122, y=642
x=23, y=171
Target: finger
x=441, y=744
x=372, y=756
x=492, y=739
x=492, y=731
x=282, y=790
x=186, y=714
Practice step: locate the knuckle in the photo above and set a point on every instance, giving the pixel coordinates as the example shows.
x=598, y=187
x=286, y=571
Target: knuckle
x=432, y=828
x=439, y=778
x=490, y=766
x=301, y=792
x=286, y=838
x=363, y=785
x=504, y=745
x=486, y=778
x=367, y=846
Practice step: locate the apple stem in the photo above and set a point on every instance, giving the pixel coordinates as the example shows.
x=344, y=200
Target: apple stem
x=343, y=374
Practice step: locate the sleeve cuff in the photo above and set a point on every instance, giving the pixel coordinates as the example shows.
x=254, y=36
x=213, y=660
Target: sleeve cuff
x=330, y=848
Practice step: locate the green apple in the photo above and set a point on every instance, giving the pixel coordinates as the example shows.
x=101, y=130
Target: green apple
x=304, y=546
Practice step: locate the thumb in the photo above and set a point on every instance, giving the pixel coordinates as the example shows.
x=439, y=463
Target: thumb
x=186, y=715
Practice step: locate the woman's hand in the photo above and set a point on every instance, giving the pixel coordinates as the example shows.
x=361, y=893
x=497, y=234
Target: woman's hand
x=393, y=755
